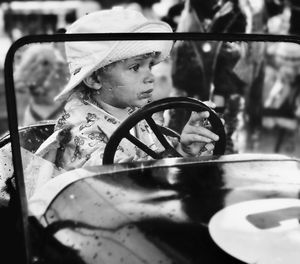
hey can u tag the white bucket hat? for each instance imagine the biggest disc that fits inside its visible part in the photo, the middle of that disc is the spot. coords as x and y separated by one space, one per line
85 57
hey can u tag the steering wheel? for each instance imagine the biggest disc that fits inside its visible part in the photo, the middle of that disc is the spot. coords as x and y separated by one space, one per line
146 112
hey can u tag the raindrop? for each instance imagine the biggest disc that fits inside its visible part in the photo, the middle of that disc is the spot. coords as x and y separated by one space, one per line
51 216
206 47
171 215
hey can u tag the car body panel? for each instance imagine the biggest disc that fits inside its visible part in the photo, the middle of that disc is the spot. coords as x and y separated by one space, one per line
162 210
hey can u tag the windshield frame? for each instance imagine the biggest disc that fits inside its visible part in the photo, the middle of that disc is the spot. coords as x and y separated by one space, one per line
11 94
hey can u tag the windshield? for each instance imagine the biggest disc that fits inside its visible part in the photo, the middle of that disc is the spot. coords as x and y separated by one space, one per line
253 86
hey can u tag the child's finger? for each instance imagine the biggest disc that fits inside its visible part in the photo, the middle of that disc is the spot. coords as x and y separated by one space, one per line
196 117
194 138
191 139
202 131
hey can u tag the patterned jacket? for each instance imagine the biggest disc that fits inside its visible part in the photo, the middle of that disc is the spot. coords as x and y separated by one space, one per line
83 131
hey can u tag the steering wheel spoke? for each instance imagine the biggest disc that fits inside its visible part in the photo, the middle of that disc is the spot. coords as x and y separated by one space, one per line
158 133
142 146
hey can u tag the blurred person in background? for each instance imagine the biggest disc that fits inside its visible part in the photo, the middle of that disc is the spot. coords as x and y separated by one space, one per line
280 22
173 15
281 90
282 97
204 69
229 74
40 75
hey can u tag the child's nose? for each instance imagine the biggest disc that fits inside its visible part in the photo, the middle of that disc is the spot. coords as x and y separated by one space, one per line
149 77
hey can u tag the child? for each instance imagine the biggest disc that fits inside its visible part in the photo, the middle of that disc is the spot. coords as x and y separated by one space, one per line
40 75
109 80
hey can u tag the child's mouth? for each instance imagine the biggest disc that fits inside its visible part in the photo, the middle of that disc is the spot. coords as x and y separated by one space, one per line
146 94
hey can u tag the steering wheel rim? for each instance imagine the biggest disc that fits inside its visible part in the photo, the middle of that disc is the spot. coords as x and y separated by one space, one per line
146 112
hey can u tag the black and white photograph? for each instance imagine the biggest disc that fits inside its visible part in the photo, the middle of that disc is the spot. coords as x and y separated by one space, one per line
159 131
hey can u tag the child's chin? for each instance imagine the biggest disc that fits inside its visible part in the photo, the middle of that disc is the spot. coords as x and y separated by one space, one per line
143 102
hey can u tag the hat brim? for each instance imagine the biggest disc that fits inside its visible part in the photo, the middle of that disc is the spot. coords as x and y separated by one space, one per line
125 49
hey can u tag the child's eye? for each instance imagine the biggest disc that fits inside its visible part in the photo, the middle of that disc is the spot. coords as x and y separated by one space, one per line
135 67
151 64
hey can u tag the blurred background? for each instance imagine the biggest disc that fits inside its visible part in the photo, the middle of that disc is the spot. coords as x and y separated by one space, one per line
261 101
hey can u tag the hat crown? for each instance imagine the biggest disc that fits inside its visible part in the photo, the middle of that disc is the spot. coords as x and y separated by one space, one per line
103 21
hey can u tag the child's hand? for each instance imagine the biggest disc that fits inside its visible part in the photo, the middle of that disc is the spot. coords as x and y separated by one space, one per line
195 138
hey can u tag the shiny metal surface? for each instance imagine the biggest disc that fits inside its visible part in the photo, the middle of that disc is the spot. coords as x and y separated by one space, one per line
169 211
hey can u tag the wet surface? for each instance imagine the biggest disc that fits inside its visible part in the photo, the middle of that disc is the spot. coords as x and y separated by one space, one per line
161 213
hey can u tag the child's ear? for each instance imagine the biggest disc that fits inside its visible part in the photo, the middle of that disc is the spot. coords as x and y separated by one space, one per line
92 82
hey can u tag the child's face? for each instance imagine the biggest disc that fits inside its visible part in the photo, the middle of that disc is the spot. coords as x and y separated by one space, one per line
129 82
